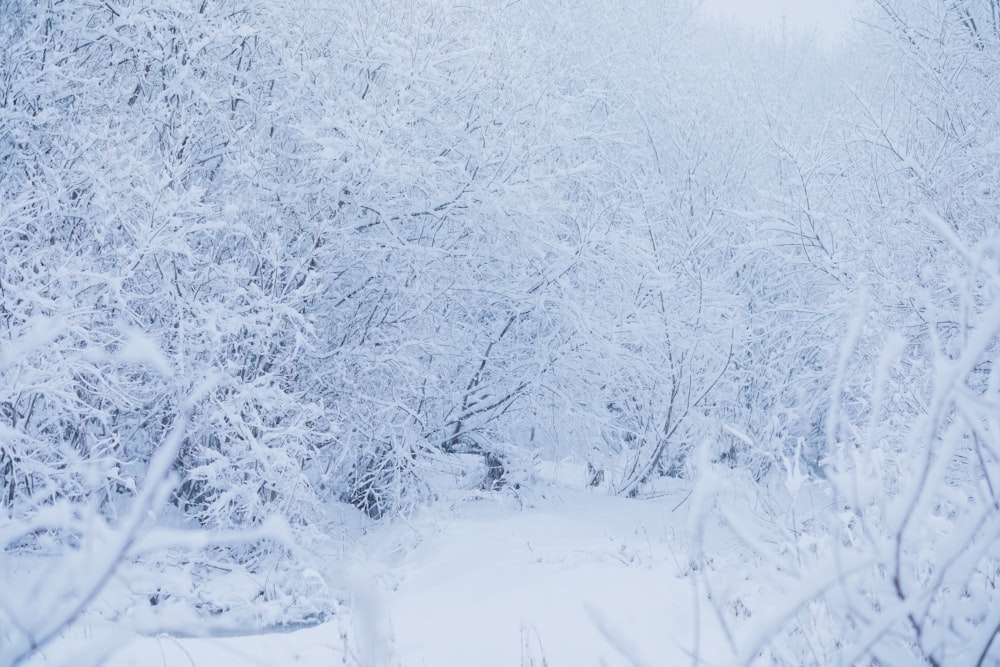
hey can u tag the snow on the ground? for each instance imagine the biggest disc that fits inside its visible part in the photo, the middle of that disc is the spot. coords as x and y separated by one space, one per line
577 578
322 645
590 580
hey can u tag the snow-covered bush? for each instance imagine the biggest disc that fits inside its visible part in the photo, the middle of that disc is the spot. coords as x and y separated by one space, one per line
895 562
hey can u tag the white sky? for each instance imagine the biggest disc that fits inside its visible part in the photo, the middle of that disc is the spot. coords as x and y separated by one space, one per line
830 18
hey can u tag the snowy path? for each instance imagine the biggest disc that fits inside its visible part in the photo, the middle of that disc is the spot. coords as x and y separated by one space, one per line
579 580
511 588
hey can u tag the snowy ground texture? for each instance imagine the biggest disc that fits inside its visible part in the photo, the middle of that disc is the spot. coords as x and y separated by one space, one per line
571 577
552 574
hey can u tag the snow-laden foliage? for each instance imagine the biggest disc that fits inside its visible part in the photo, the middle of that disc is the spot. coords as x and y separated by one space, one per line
891 559
890 556
331 254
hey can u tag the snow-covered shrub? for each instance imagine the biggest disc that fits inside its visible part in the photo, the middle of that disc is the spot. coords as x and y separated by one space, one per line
900 568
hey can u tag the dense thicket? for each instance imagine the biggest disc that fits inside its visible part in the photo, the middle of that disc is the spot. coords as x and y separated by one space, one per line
350 247
379 234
